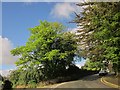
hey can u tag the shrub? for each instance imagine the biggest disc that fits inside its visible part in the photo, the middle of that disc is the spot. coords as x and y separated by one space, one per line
32 84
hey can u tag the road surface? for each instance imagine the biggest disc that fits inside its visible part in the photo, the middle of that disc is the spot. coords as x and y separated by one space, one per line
92 81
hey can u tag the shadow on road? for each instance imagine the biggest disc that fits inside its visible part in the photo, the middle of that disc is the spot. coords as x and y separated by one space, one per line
91 78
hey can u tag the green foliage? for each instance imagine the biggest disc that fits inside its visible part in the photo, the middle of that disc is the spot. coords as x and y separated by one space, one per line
32 84
90 65
14 77
24 77
46 54
101 25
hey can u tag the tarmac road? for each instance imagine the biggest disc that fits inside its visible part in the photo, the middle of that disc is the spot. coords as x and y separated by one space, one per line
92 81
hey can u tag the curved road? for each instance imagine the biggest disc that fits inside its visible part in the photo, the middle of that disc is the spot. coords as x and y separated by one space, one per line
92 81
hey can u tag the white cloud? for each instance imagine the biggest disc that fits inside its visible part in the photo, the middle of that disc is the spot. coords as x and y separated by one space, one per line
5 47
63 10
4 72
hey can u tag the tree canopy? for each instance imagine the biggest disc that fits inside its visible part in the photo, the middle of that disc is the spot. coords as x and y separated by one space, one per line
100 27
47 53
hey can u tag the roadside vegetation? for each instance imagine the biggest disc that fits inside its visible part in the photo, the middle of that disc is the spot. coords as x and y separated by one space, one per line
73 73
47 57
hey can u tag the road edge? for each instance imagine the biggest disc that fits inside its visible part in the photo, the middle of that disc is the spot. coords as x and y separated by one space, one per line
108 83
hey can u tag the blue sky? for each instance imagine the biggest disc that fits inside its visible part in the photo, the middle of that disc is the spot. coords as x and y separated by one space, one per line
18 17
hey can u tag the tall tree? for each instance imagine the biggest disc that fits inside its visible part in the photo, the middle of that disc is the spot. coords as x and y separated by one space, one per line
100 22
49 50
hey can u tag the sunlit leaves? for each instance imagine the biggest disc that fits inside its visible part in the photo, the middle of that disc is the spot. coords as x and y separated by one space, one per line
47 52
54 54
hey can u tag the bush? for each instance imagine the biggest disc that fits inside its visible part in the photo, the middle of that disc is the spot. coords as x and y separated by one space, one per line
31 84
